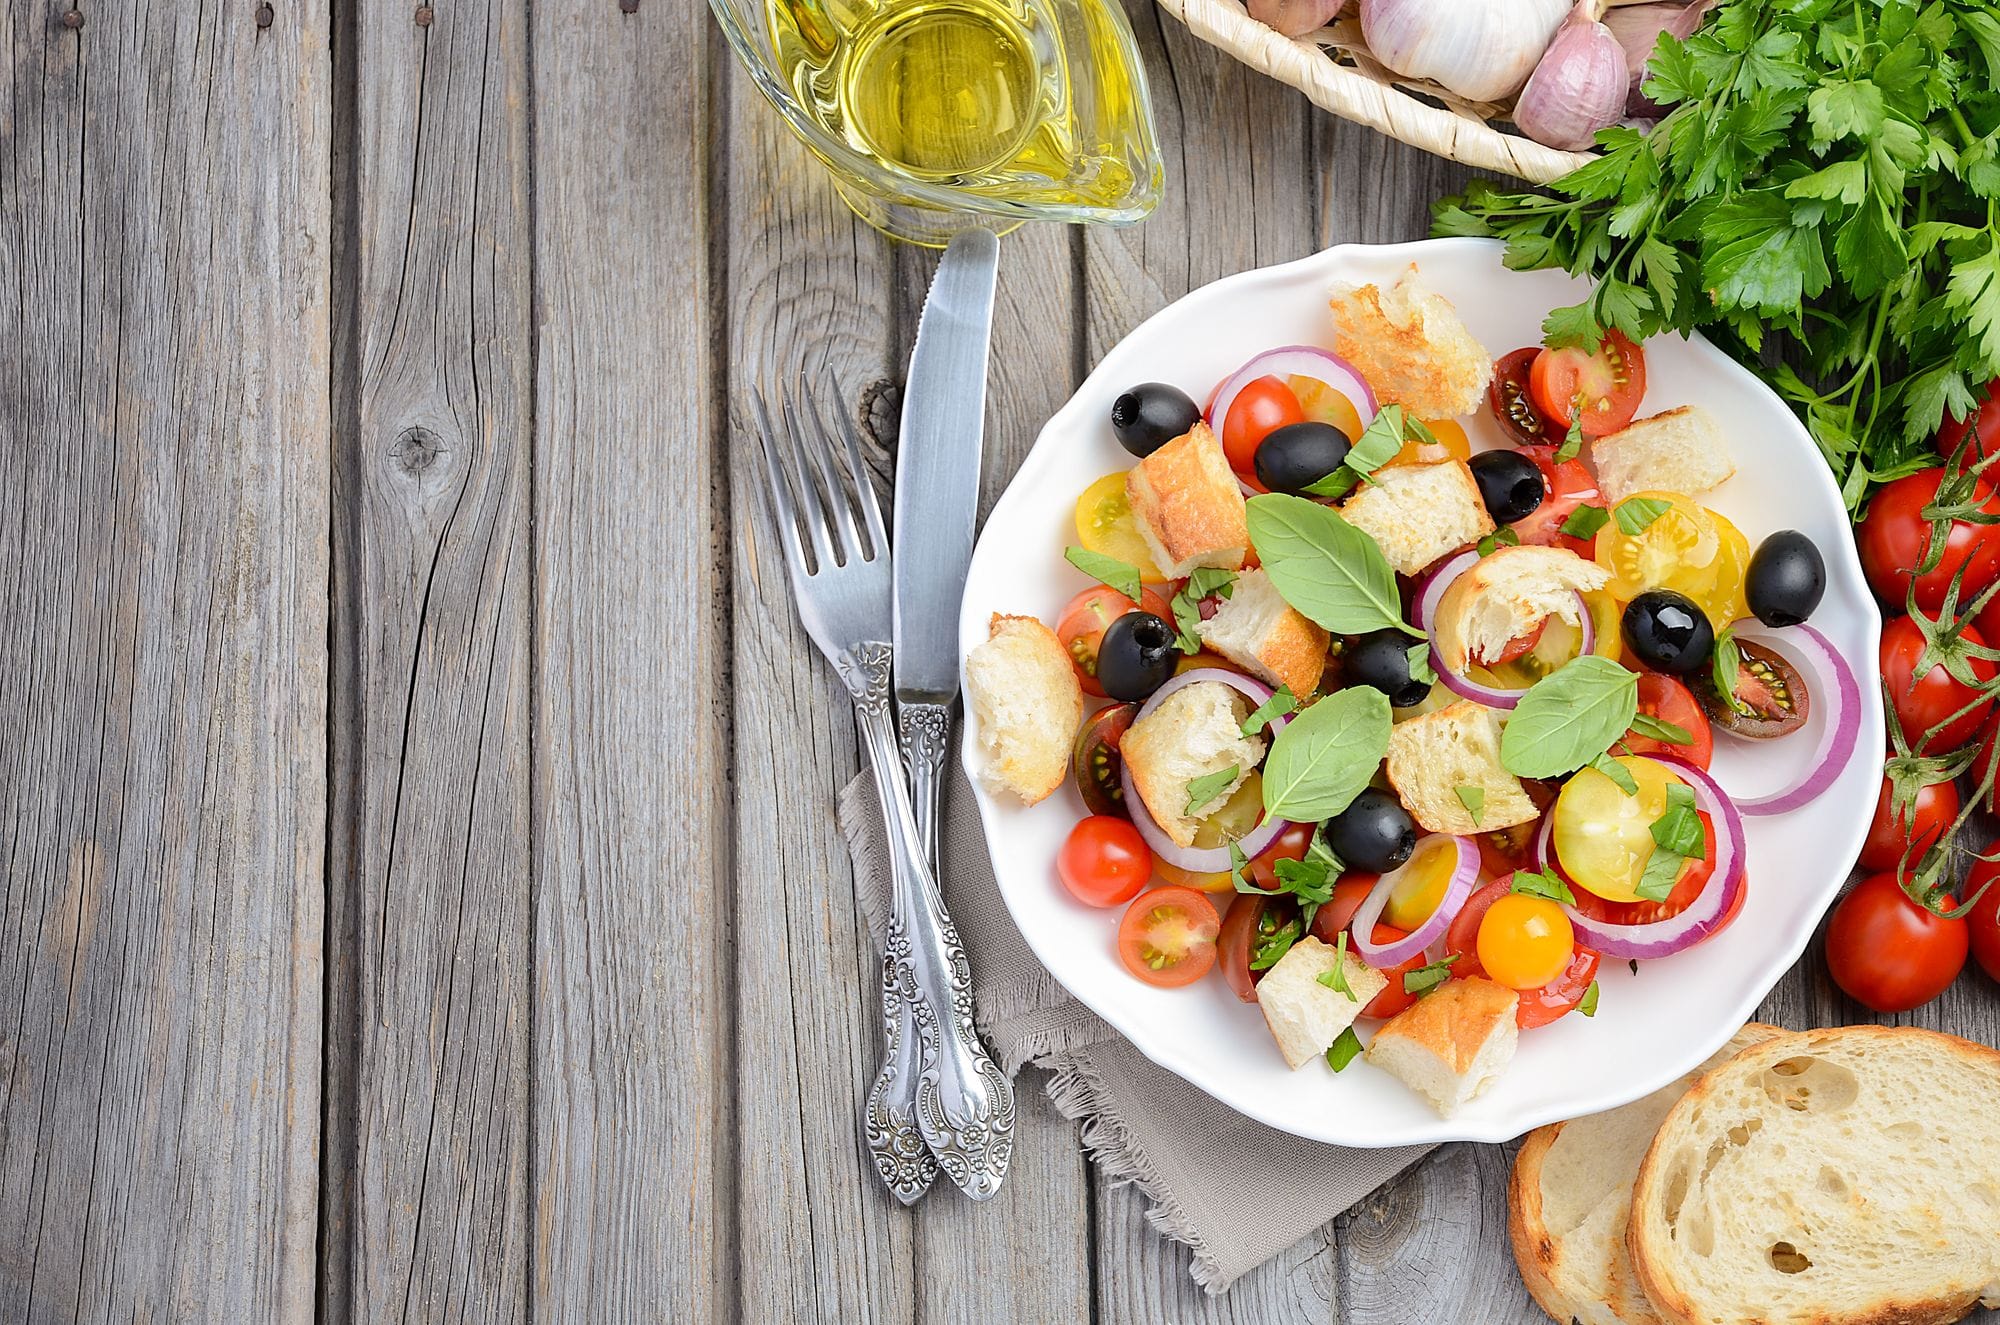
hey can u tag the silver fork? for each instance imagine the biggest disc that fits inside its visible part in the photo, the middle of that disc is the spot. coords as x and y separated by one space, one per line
963 1105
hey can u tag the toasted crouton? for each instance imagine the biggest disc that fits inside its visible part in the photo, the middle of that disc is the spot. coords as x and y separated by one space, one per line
1188 505
1255 629
1195 732
1682 450
1028 705
1411 347
1417 513
1506 595
1305 1016
1452 1043
1432 756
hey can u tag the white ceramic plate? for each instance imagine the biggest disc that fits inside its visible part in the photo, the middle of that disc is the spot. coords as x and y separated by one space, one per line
1649 1027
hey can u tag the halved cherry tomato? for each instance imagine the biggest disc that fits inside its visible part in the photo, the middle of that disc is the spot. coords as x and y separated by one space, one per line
1568 484
1081 625
1167 937
1724 602
1505 850
1105 523
1667 700
1095 762
1693 878
1253 920
1513 403
1890 832
1938 712
1679 550
1320 403
1338 915
1104 861
1604 387
1291 844
1889 953
1451 444
1520 646
1895 533
1603 837
1537 1007
1263 406
1542 1005
1985 424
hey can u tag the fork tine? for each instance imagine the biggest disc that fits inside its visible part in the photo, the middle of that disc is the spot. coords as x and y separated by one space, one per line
828 469
776 492
871 509
813 497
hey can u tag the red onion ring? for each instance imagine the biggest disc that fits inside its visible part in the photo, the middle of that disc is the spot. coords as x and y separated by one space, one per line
1706 912
1295 361
1200 860
1841 731
1431 594
1465 873
1543 856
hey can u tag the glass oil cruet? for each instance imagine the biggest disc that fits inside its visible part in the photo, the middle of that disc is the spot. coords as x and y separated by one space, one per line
938 114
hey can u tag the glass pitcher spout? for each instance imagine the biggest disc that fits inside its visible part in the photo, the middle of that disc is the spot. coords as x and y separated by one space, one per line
936 114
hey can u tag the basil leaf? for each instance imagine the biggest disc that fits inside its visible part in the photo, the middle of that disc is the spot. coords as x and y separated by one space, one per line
1186 605
1336 978
1331 572
1337 484
1727 662
1572 440
1663 869
1270 949
1238 862
1585 521
1617 772
1679 829
1343 1050
1588 1004
1379 441
1120 575
1204 789
1318 850
1659 729
1474 801
1325 756
1568 718
1499 538
1206 580
1541 883
1635 515
1428 977
1281 703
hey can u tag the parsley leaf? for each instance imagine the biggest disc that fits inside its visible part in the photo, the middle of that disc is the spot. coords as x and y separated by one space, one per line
1120 575
1344 1050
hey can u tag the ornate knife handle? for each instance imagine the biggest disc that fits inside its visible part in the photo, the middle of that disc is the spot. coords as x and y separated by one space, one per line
964 1104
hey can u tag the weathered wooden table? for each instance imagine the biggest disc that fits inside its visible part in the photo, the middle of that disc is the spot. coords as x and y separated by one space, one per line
421 899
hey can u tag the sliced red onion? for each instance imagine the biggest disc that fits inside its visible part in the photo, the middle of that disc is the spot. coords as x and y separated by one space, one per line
1431 594
1841 706
1296 361
1464 874
1543 856
1706 912
1200 860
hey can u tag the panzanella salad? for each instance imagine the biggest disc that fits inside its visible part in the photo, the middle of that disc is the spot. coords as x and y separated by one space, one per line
1390 734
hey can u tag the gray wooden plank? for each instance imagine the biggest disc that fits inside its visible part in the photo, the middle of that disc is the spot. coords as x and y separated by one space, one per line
426 1154
164 440
633 1157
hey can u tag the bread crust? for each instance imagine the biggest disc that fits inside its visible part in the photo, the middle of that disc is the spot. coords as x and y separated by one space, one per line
1295 653
1011 761
1188 504
1411 346
1453 1023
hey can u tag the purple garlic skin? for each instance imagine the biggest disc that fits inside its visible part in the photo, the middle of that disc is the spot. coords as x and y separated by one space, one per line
1638 29
1579 86
1294 18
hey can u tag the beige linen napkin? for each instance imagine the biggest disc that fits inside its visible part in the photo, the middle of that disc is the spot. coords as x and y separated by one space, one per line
1235 1191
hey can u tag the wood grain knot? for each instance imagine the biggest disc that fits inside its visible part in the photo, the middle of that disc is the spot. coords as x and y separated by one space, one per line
72 19
629 6
264 16
882 413
418 451
424 16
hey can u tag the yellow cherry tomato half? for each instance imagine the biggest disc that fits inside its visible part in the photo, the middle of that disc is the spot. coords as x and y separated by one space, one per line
1603 836
1232 820
1677 550
1525 942
1452 444
1417 894
1105 524
1724 602
1605 620
1322 404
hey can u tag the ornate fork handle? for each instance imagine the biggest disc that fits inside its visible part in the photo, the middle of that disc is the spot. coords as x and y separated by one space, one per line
964 1104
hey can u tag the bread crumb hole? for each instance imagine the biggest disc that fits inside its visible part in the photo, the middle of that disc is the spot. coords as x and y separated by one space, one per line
1831 1182
1811 1085
1740 1134
1677 1190
1905 1131
1792 1067
1787 1259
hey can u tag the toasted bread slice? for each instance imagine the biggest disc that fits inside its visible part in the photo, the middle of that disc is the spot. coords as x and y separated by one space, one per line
1258 631
1418 513
1411 346
1432 756
1188 505
1507 594
1452 1043
1028 703
1571 1194
1306 1016
1195 732
1838 1177
1680 450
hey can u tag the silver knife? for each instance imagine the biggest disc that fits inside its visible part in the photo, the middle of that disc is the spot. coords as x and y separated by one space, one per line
937 503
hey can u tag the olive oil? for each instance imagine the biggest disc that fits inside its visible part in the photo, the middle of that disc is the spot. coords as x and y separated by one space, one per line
1032 102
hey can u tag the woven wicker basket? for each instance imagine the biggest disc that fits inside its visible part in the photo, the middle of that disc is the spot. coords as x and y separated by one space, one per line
1333 67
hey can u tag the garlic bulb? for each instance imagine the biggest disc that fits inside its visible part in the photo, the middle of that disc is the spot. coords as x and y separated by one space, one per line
1483 51
1579 87
1638 29
1295 18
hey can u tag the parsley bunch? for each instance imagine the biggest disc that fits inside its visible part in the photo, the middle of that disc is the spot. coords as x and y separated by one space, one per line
1822 190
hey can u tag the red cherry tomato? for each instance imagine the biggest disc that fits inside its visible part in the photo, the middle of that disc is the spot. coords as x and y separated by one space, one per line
1252 920
1984 774
1889 833
1513 402
1605 387
1081 625
1889 953
1894 534
1104 861
1982 922
1938 712
1541 1006
1985 422
1263 406
1505 850
1288 845
1664 698
1338 915
1568 485
1167 937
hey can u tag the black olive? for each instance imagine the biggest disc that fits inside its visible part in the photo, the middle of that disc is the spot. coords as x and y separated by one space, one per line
1150 415
1382 660
1786 579
1509 484
1136 656
1375 834
1300 454
1668 632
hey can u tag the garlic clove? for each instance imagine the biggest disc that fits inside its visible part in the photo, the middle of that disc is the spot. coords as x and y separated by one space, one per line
1295 18
1638 29
1578 87
1482 51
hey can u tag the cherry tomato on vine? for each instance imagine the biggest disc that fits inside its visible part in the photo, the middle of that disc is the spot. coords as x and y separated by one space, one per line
1982 922
1938 712
1888 952
1167 937
1894 534
1604 386
1985 423
1263 406
1889 832
1104 861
